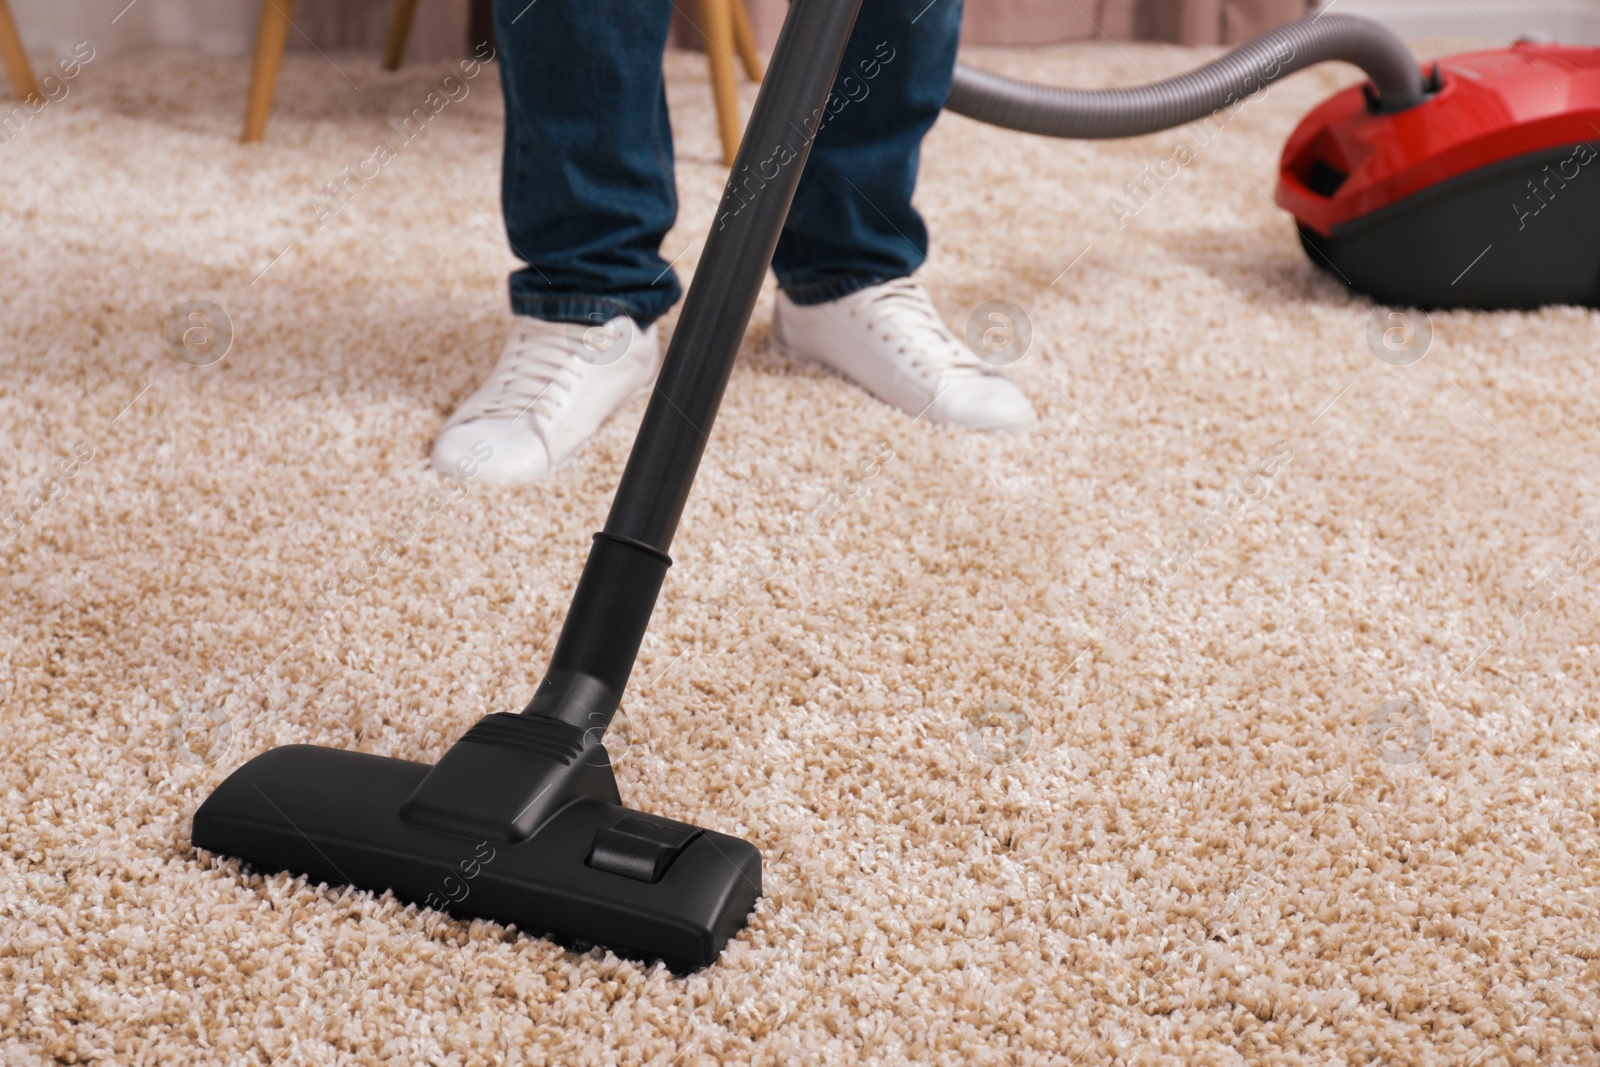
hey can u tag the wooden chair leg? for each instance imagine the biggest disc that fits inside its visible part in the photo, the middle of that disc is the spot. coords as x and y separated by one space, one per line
272 34
399 30
716 22
16 60
745 38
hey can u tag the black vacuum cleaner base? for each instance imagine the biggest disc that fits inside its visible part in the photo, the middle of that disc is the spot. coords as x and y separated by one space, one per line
1485 240
593 873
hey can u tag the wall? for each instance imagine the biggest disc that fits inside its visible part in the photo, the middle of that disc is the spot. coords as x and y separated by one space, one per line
1046 21
1569 21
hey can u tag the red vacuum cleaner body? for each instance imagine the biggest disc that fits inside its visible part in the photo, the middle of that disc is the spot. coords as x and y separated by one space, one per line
1487 195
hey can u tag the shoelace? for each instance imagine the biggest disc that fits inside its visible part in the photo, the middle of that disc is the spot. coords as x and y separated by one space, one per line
536 371
904 306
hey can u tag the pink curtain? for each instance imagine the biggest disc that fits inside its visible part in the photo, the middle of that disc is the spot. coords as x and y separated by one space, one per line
1050 21
441 27
442 24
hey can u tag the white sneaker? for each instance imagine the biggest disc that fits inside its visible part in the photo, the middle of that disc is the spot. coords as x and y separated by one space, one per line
890 340
556 382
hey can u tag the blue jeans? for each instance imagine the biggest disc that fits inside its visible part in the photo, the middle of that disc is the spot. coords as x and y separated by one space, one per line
587 184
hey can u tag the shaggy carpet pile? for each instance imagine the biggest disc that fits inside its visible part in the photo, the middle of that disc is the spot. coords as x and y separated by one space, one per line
1244 711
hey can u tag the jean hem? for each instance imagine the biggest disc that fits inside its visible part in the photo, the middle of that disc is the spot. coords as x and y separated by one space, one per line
837 287
584 310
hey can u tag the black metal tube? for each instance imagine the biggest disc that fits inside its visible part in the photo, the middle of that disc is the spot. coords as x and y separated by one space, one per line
623 574
601 634
677 424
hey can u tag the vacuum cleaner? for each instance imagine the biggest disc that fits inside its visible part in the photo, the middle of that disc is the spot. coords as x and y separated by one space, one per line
521 820
1461 187
1483 198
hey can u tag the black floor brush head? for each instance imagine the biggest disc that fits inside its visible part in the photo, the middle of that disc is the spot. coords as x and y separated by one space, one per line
592 872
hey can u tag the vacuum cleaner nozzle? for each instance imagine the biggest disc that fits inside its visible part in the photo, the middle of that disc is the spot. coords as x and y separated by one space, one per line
520 822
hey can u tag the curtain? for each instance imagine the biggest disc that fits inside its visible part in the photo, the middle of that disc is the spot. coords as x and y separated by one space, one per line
1050 21
228 27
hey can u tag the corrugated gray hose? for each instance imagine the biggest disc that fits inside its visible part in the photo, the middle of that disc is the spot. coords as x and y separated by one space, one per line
1098 113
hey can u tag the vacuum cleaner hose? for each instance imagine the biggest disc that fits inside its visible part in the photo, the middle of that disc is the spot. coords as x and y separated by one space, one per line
1099 113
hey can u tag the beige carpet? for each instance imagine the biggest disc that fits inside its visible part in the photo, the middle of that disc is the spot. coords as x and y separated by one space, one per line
1012 808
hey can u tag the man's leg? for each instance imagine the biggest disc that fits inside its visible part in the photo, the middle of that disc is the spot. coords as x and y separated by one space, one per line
853 239
852 224
588 194
586 182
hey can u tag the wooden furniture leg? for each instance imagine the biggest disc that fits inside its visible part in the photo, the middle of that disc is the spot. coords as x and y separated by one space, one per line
716 23
745 38
399 30
16 59
272 34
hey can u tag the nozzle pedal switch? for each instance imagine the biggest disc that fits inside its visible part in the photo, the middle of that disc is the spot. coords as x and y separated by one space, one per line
640 848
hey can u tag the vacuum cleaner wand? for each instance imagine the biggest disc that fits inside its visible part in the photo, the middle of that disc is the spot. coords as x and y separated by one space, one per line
520 821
